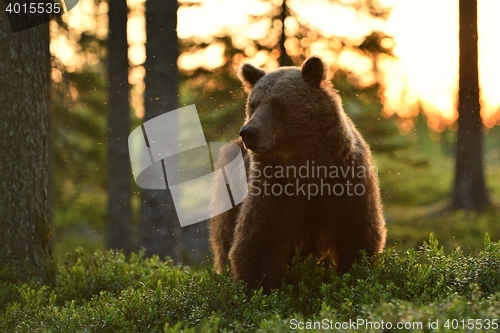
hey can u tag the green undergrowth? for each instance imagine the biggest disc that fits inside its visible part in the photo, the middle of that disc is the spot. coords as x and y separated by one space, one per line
416 185
460 228
108 293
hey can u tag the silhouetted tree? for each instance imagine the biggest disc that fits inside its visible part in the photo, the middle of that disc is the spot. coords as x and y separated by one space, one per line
119 212
469 190
284 59
158 225
25 210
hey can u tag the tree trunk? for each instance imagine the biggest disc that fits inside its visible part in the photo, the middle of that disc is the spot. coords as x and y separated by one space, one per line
284 59
159 227
25 212
119 224
469 191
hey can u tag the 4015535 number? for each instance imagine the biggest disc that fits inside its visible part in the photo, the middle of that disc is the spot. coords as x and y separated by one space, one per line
471 324
34 8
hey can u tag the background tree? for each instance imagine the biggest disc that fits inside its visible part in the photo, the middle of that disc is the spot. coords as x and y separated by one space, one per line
119 212
159 227
469 190
284 59
25 210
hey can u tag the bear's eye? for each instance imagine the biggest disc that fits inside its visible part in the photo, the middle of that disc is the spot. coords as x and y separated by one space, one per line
253 106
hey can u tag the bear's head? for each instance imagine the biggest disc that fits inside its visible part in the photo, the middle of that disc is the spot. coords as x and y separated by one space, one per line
286 107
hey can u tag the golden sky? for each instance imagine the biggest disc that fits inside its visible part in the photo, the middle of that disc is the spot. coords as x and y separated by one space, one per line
425 34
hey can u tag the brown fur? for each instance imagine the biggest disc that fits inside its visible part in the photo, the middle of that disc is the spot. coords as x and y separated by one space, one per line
298 117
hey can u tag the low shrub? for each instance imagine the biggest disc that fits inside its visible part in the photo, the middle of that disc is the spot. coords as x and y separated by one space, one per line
109 293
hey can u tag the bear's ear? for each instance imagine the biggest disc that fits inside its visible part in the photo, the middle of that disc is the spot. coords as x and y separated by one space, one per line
314 70
249 75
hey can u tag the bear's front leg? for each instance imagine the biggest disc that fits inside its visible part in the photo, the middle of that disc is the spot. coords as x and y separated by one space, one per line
361 228
221 236
265 239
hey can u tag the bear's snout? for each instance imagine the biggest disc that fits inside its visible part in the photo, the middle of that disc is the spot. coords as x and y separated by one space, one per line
249 136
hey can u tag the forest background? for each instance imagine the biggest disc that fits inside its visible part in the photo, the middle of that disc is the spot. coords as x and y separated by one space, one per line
418 78
409 117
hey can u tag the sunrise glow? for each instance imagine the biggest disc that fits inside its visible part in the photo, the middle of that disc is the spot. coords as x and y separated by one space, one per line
424 72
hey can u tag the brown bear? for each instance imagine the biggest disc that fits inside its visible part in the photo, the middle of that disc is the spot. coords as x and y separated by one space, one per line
311 182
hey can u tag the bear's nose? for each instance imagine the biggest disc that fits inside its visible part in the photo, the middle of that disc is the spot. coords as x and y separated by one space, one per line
248 133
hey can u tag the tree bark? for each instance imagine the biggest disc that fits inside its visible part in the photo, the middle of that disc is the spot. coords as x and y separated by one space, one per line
159 227
469 191
25 212
119 219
